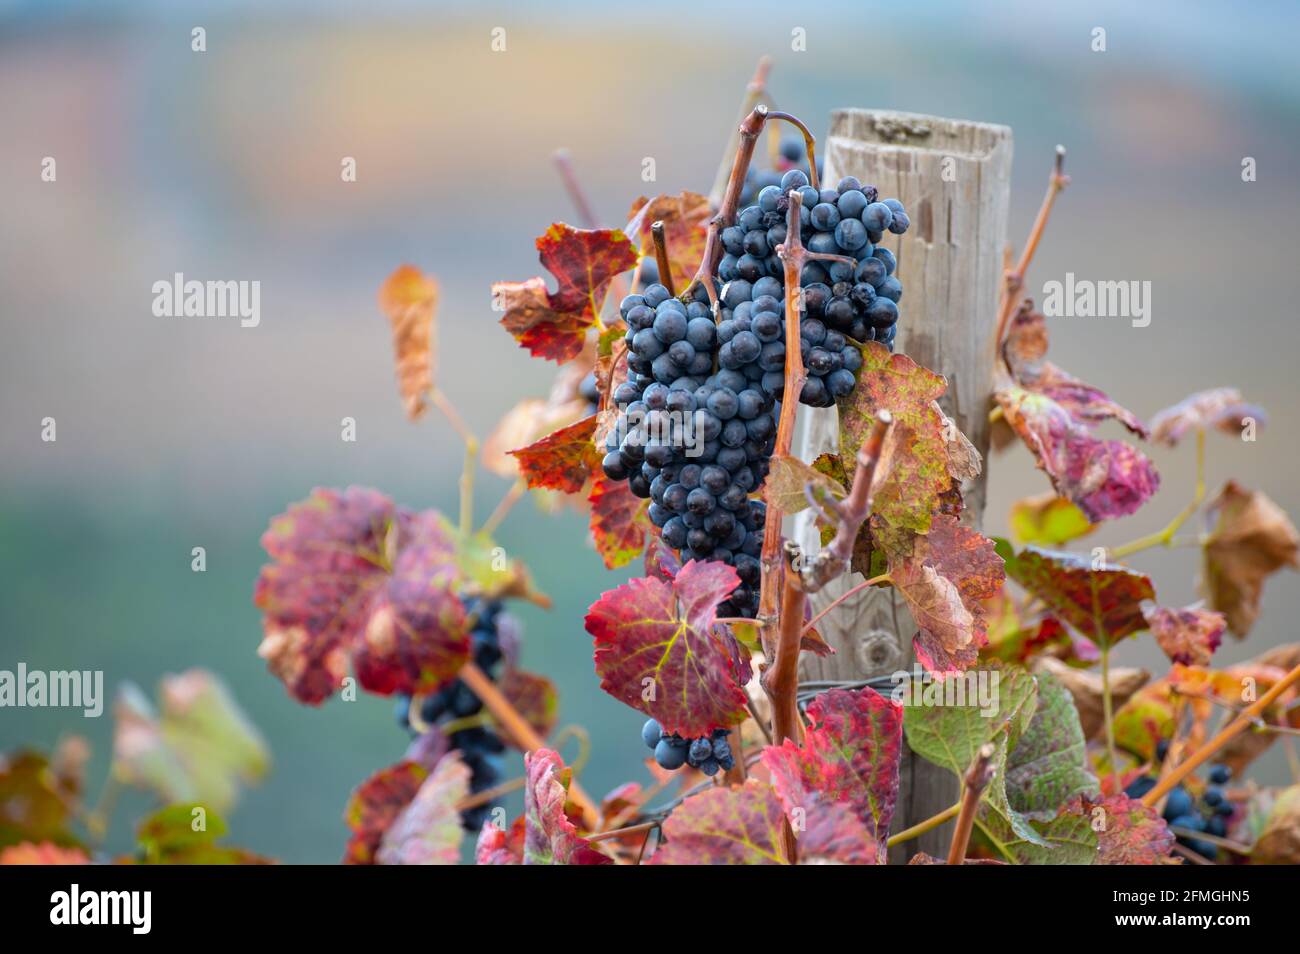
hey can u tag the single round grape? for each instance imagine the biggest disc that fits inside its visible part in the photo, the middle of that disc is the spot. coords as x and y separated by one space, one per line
848 184
873 271
734 433
900 223
824 217
794 179
851 203
822 243
887 257
851 234
674 533
670 325
669 755
890 288
746 347
655 295
733 238
736 292
882 313
814 393
749 218
651 733
840 383
894 205
877 216
646 344
714 479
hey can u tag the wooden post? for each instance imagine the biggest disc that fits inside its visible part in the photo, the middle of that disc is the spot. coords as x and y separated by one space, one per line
954 179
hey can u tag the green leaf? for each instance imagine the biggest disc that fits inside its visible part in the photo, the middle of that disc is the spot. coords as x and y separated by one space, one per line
1049 764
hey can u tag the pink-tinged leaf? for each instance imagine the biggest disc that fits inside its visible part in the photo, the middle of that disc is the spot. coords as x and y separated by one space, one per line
549 837
339 560
657 649
915 462
497 847
1102 602
428 831
534 697
1219 408
375 805
554 324
619 524
850 754
1188 636
1105 478
661 562
562 460
725 826
946 577
1026 353
416 639
833 834
1250 540
1128 833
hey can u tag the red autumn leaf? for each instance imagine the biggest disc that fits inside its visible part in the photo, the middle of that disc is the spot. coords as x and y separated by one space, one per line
658 650
428 830
534 697
1251 539
1054 413
355 578
415 639
1104 478
725 826
1128 833
661 561
686 225
1104 602
409 298
549 837
528 421
554 324
915 461
619 521
833 834
497 847
849 754
563 459
375 805
1026 353
1188 636
1219 408
946 577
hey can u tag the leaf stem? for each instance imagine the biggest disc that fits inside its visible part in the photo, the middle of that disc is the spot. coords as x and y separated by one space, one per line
458 424
755 94
661 256
564 163
1165 537
920 828
851 591
516 493
523 732
1224 736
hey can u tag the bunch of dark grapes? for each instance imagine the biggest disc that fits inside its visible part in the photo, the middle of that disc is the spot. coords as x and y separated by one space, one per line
842 300
708 753
479 746
1210 814
694 441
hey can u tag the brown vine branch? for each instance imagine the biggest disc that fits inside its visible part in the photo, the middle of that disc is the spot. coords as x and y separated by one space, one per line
1014 278
794 256
977 779
781 679
853 511
750 128
520 728
1225 735
661 257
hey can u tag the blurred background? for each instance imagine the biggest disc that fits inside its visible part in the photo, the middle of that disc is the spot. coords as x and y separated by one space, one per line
225 164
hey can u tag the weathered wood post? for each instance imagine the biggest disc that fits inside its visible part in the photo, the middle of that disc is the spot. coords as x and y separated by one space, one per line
954 178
